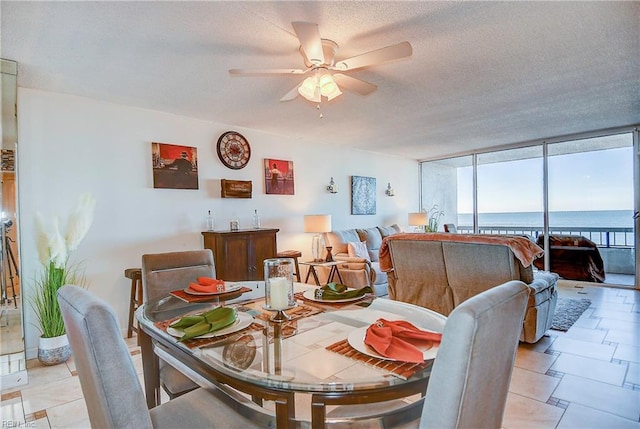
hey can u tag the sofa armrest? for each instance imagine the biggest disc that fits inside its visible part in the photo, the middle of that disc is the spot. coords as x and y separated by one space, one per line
356 264
543 280
352 259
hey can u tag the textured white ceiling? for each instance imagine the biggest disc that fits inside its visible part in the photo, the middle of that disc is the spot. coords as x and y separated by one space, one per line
482 73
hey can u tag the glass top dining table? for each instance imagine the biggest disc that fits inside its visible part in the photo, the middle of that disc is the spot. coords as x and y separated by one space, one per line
318 352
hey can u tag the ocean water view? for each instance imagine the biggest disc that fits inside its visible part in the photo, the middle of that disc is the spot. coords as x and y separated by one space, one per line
590 219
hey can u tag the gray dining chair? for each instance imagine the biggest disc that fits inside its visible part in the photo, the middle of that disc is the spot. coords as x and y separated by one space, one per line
110 384
471 374
166 272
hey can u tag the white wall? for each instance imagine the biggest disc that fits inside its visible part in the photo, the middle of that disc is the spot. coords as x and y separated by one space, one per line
70 145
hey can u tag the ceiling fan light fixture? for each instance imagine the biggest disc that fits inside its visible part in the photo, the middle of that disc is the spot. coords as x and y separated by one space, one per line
327 84
308 88
336 92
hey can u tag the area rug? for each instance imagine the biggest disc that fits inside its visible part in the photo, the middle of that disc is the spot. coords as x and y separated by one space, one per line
567 312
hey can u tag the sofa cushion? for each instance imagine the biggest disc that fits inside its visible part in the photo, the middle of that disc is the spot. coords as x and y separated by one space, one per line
358 249
386 231
373 239
339 239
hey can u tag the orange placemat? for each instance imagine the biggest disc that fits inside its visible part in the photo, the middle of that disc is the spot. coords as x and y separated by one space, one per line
181 294
403 370
295 313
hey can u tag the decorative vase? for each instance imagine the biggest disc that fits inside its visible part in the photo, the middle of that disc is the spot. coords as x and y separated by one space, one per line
55 350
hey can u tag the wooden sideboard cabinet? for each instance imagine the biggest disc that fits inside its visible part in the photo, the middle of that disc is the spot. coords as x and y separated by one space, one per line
239 255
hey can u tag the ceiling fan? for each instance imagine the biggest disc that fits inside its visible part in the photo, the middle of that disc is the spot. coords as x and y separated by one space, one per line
328 76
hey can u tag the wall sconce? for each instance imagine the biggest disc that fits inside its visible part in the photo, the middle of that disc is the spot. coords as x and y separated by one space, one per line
390 192
332 187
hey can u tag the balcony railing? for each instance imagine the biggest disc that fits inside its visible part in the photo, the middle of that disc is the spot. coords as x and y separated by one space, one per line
602 237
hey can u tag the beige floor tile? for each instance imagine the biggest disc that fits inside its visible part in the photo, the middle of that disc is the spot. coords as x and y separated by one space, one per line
50 395
70 415
618 315
592 369
580 417
633 374
71 365
628 353
543 343
532 384
534 361
584 334
630 337
137 361
42 423
11 411
587 321
40 374
615 307
132 342
600 396
583 348
526 413
617 324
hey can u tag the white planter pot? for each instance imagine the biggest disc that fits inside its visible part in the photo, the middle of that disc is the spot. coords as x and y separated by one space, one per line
52 351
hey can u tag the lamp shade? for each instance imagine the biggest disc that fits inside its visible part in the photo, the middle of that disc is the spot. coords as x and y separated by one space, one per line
418 219
317 223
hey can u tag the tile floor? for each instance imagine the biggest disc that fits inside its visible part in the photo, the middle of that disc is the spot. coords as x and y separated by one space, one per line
587 377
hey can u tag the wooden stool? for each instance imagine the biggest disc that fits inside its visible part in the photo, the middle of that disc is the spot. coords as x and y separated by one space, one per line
294 254
135 274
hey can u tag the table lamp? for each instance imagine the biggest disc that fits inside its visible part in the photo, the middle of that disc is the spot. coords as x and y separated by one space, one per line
419 220
317 224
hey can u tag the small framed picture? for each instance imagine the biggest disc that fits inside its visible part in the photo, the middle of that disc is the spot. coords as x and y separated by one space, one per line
174 166
278 177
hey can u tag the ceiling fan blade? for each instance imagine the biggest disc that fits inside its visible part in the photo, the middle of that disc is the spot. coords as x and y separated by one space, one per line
291 94
353 84
393 52
309 37
237 72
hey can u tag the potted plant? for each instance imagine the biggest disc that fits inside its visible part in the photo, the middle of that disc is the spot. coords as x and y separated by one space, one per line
434 214
54 250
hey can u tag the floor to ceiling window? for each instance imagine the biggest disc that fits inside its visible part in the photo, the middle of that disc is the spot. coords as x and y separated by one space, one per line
590 194
510 191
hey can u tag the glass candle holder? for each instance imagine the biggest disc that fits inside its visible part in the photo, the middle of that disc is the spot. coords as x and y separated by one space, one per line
278 282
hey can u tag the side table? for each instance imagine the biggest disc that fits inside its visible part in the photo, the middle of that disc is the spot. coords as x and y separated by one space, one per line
333 270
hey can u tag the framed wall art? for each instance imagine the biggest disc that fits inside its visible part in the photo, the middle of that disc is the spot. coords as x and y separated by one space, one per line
278 177
174 166
363 195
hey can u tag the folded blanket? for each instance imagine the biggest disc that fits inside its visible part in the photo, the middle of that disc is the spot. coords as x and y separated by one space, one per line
524 249
398 340
333 291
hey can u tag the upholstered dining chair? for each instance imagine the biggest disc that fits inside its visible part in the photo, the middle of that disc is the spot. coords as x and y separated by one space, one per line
161 274
111 388
471 374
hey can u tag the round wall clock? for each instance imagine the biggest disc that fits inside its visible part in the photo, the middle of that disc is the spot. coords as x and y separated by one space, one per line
233 150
